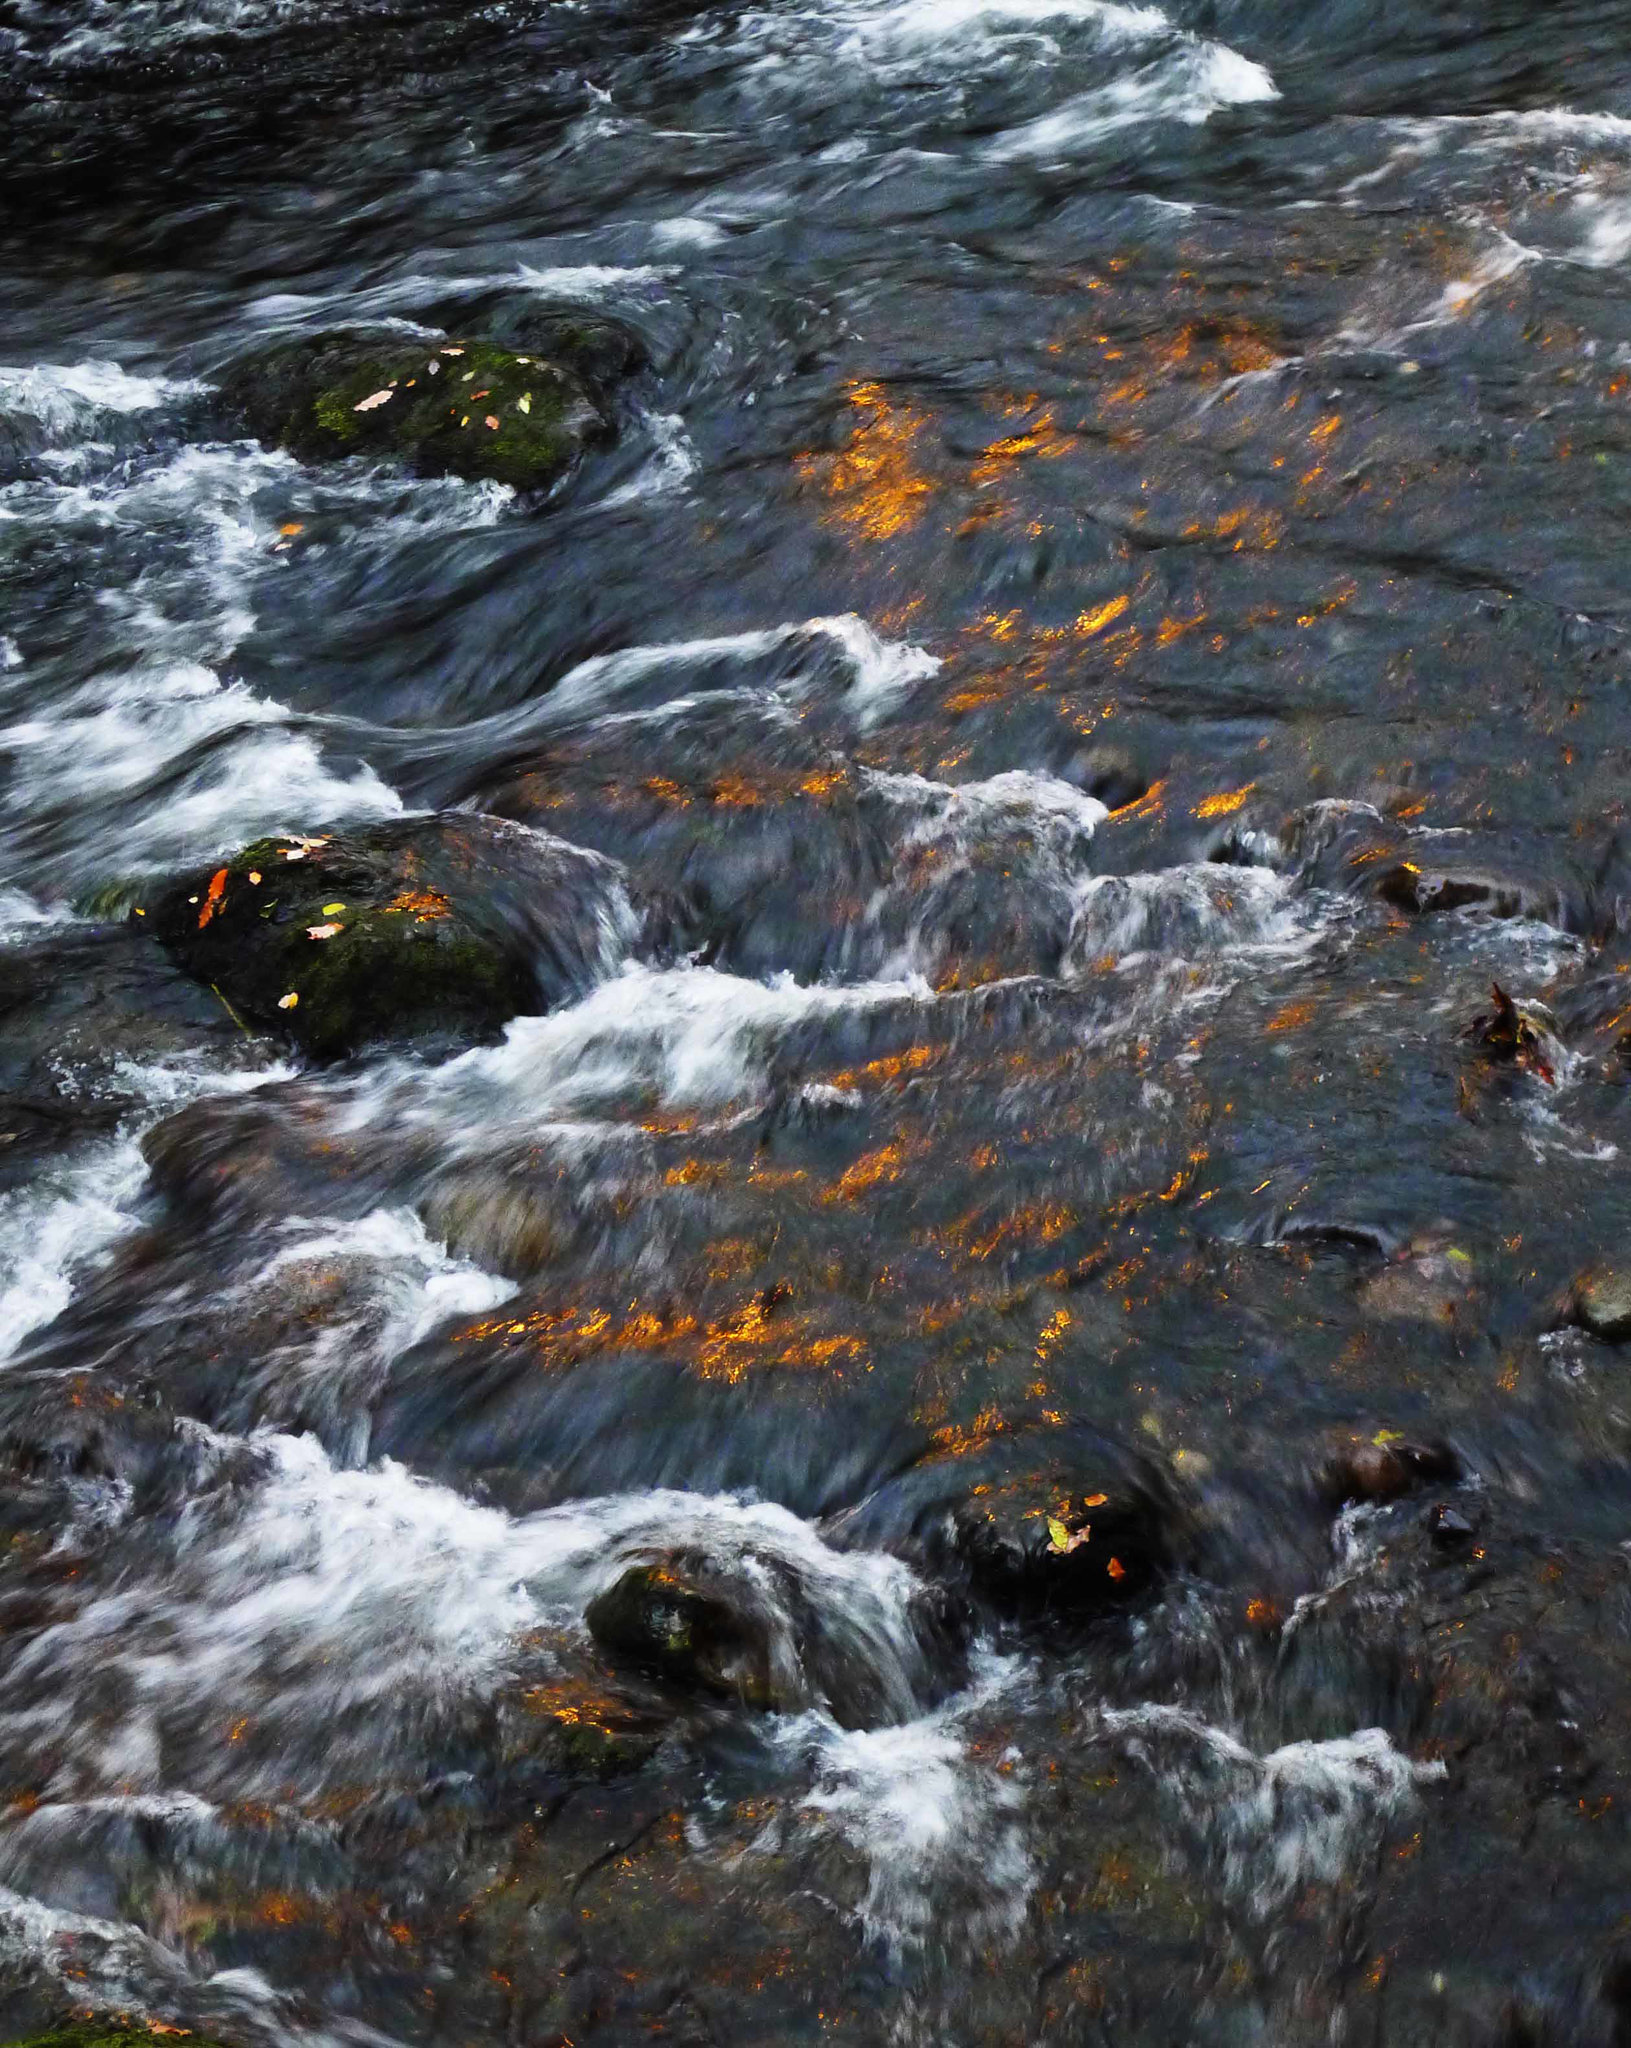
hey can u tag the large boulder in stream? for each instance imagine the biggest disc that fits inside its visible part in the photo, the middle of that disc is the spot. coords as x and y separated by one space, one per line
466 407
439 927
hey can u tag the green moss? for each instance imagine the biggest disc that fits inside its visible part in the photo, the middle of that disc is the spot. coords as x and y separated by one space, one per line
483 412
98 2034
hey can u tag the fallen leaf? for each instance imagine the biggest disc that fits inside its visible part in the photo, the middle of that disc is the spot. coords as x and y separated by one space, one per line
492 421
212 902
449 350
524 402
465 379
523 359
332 909
1096 1500
374 398
288 1002
294 526
1116 1568
465 421
292 852
1388 1436
485 391
323 931
1058 1534
141 913
254 876
433 369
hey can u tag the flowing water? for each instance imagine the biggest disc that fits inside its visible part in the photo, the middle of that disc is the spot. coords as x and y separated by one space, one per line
1110 593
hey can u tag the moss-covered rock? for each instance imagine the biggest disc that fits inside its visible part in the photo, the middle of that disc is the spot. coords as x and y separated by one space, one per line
455 408
443 927
99 2034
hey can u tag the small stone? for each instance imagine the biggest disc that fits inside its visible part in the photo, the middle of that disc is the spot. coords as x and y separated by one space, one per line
1448 1526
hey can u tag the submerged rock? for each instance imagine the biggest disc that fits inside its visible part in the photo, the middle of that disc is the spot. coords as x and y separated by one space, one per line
445 927
1383 1469
458 408
1428 1281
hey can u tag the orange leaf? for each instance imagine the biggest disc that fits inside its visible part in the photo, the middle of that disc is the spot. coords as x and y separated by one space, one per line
212 902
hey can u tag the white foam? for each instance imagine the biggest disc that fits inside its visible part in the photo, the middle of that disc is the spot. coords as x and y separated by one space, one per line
670 466
686 1036
881 671
1196 82
69 396
66 1223
331 1608
687 231
1308 1813
229 763
927 1816
1194 910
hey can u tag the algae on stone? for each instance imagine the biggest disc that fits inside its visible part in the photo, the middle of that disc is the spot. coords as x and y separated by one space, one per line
455 408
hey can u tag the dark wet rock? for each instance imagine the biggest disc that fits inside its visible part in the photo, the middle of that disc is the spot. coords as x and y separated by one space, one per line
22 440
757 1637
440 927
1384 1468
1345 845
1599 1300
665 1619
1045 1526
81 1001
460 408
1518 1034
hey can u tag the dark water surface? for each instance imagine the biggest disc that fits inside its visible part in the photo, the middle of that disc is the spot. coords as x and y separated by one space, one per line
1109 599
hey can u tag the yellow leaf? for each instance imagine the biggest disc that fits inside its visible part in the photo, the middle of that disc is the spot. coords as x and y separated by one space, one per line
254 876
1058 1534
524 402
329 909
288 1002
1388 1436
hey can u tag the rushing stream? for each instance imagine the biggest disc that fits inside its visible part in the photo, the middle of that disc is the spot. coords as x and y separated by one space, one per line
1097 630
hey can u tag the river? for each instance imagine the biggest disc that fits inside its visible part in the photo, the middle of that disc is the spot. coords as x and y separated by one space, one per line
1102 623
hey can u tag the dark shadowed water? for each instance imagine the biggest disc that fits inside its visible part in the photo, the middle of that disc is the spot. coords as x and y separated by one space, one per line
1109 603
